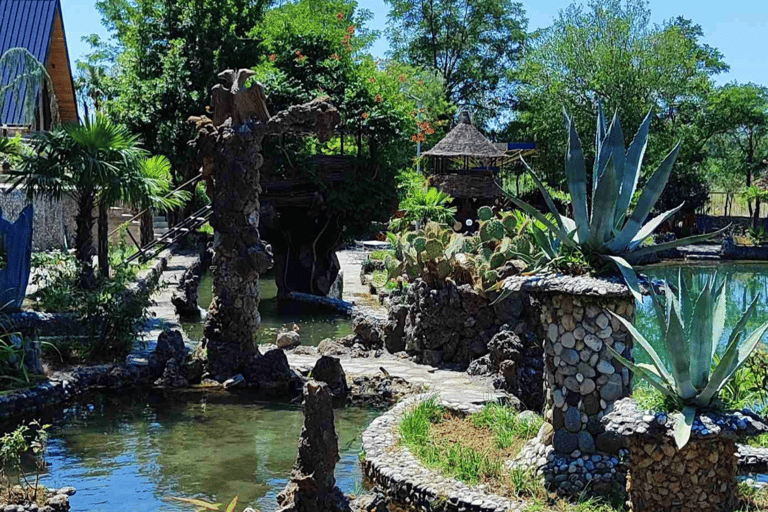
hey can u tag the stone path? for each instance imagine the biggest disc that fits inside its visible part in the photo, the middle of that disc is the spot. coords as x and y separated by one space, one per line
453 386
351 261
162 312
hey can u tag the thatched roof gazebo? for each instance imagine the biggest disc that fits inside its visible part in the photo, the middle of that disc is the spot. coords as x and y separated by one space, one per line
464 162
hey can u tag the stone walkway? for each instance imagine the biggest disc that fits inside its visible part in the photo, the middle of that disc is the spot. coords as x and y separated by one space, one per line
162 312
351 261
453 386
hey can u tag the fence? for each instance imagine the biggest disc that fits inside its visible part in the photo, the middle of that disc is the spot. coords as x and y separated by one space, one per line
725 204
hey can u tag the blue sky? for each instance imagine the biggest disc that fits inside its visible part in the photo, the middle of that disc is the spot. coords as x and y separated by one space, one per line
738 28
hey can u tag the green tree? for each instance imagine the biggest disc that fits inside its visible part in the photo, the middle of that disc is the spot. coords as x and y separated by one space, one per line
26 76
166 60
99 163
609 51
743 108
473 45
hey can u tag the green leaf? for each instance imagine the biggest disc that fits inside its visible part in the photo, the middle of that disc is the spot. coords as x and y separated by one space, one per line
636 255
648 198
232 505
650 377
536 214
198 503
577 180
679 355
603 206
683 425
661 369
632 165
718 318
629 276
734 357
648 229
546 195
700 337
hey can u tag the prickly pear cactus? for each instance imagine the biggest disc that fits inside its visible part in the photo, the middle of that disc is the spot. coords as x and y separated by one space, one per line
433 250
510 223
484 213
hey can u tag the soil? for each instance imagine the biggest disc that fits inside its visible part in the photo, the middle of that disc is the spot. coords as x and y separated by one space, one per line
454 429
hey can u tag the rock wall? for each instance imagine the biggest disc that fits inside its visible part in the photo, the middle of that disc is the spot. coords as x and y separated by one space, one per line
455 324
53 225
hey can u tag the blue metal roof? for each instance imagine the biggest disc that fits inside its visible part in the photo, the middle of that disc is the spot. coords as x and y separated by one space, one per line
511 146
26 24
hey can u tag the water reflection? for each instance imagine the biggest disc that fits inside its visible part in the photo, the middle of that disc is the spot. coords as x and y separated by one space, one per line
316 323
130 454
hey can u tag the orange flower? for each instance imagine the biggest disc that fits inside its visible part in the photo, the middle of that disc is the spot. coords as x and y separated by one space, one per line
272 58
346 39
339 16
420 138
349 47
429 131
371 79
413 138
351 29
421 82
298 52
335 57
378 98
365 115
401 78
302 58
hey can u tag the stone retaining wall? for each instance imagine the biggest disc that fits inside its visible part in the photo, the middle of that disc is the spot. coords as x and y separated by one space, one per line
406 481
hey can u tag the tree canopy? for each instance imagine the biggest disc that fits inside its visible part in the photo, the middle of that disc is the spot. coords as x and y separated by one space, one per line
474 45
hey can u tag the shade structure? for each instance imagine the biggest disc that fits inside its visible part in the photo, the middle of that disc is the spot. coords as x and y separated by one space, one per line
465 141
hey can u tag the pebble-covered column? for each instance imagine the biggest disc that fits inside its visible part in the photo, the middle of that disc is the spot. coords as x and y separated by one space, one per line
583 380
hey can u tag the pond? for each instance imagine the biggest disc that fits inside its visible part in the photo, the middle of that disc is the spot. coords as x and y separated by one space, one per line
316 323
125 454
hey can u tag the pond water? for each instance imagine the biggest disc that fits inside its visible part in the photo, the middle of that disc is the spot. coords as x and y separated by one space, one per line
744 282
128 454
316 323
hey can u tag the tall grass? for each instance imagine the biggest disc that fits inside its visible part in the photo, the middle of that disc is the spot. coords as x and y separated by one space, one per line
508 425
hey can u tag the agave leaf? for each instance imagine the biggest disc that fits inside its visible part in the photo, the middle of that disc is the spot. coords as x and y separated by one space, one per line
635 255
661 369
734 357
547 196
629 276
648 198
570 228
632 164
536 214
678 355
700 337
505 292
603 208
600 134
658 308
718 318
683 425
232 505
612 149
648 229
650 377
577 180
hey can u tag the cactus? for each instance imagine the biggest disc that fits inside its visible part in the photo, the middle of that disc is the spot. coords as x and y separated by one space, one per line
420 244
498 259
484 213
510 223
433 250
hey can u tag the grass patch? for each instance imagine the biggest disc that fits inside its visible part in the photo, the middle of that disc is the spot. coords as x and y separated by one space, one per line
380 255
379 279
752 499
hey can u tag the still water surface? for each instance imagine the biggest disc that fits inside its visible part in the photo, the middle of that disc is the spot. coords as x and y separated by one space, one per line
316 323
130 454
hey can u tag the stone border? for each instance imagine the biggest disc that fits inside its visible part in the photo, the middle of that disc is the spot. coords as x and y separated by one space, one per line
405 480
65 385
572 285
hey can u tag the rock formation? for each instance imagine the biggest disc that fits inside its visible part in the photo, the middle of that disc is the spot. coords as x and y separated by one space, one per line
229 147
312 487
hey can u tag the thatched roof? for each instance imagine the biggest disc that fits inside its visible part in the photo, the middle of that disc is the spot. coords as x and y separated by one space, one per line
465 140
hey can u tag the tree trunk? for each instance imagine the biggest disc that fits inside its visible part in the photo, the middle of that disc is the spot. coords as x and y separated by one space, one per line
103 240
756 214
84 249
147 227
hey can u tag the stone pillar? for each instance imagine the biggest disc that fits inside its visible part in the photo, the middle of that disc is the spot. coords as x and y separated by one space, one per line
582 381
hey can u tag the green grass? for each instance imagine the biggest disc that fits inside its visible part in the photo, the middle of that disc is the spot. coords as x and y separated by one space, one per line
379 279
507 424
380 255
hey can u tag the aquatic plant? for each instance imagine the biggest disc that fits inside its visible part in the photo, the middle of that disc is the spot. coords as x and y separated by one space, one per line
693 325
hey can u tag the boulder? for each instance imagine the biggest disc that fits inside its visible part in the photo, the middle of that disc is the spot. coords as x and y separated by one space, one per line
173 376
272 374
288 339
170 345
328 370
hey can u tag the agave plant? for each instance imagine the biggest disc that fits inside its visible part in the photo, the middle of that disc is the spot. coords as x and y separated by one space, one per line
606 229
692 327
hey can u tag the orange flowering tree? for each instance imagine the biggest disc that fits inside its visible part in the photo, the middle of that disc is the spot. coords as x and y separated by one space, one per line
310 49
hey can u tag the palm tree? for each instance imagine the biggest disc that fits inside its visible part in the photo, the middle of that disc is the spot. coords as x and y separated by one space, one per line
157 171
29 78
99 163
91 84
